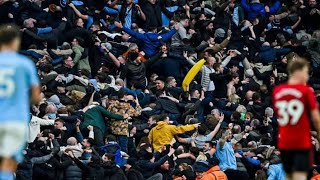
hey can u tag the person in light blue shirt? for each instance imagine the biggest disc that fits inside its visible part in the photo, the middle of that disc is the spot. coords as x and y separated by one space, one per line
18 79
225 152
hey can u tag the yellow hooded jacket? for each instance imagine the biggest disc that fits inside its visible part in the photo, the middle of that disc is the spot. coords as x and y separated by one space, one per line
163 133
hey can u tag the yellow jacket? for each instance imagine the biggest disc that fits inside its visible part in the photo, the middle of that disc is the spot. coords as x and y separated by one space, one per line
163 134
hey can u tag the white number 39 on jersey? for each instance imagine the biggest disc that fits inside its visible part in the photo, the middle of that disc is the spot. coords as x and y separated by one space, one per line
289 111
7 85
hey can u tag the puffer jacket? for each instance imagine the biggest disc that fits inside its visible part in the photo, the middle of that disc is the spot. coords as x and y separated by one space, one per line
134 73
113 172
81 59
73 172
268 54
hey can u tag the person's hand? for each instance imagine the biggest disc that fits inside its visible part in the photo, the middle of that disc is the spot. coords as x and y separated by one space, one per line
238 155
197 125
247 129
71 5
58 78
245 81
90 128
138 7
185 54
233 53
40 134
171 152
202 4
51 136
78 123
221 117
229 33
23 29
245 135
186 7
70 154
191 31
118 24
173 141
146 131
228 104
126 116
46 9
64 19
176 26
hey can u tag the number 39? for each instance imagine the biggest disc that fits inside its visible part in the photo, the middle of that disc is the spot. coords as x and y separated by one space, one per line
287 109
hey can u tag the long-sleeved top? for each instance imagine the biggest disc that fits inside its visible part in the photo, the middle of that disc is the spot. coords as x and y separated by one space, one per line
163 133
148 167
95 117
34 127
257 9
151 41
276 172
81 60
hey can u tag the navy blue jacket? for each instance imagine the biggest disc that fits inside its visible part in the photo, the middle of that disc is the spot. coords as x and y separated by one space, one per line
256 9
150 40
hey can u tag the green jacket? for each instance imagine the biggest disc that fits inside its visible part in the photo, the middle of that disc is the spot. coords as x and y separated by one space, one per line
96 118
80 63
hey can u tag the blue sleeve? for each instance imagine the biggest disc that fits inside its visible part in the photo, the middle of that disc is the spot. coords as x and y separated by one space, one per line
130 92
31 73
167 36
79 137
271 173
245 5
89 21
110 11
275 7
253 161
31 53
282 51
134 34
57 61
44 30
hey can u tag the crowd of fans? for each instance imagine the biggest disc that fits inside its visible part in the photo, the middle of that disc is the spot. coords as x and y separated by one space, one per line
111 74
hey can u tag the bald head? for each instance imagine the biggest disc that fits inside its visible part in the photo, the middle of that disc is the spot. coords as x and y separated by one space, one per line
72 141
51 108
249 95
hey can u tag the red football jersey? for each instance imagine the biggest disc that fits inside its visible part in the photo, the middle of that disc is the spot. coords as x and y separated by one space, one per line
292 105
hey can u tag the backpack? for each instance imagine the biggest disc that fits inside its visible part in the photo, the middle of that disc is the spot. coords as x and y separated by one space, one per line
115 150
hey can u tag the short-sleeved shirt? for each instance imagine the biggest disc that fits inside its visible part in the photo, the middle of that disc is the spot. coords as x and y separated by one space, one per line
293 104
17 75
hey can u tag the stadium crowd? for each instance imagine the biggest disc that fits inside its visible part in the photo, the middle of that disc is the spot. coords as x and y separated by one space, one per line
113 105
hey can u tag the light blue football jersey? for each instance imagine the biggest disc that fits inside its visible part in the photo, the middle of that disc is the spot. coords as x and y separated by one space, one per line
17 75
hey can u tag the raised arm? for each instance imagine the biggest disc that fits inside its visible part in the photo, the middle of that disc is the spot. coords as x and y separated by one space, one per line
213 133
78 13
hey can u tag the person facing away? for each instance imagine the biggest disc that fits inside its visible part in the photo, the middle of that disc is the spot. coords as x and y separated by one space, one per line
18 77
294 104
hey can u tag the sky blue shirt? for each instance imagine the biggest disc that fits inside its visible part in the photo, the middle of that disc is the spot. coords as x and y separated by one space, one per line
226 157
17 75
